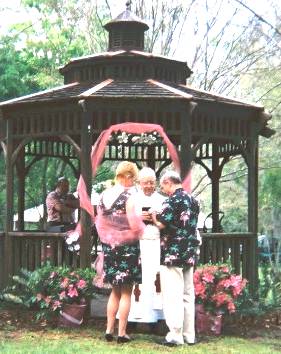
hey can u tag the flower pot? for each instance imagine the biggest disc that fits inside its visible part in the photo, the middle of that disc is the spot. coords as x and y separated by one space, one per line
72 315
207 323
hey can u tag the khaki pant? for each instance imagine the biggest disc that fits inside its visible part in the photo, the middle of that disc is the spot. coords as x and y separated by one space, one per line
178 303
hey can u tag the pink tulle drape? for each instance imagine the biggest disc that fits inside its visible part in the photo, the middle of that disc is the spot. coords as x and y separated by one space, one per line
133 224
118 229
99 148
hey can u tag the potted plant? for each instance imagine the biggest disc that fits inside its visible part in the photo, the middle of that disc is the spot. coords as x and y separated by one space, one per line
217 290
53 291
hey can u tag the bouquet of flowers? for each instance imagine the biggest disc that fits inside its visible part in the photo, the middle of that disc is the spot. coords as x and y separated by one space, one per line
217 288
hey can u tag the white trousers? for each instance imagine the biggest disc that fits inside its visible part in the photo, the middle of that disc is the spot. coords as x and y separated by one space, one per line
178 303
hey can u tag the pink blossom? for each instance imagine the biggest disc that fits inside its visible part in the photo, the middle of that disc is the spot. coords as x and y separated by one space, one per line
53 275
224 269
62 295
81 284
208 277
238 288
196 276
72 291
220 299
200 290
235 280
231 307
224 284
64 283
56 305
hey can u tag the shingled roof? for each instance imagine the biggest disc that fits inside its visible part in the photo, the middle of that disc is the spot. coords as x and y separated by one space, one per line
122 88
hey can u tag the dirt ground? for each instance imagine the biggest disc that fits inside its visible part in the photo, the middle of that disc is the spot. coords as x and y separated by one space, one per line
269 325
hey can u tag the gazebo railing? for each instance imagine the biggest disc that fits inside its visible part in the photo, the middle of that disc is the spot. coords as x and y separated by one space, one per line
236 248
31 250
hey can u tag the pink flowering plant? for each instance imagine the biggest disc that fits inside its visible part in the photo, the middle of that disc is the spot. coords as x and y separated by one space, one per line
217 288
61 285
48 288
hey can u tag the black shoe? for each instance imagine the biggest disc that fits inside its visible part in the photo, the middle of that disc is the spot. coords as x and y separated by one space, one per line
108 337
123 339
168 344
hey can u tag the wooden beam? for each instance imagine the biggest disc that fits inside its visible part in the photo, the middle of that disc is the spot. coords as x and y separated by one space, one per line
86 172
19 148
186 154
20 164
216 173
253 212
4 148
9 204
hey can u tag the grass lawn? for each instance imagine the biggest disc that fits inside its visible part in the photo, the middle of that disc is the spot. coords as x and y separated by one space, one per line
20 334
90 340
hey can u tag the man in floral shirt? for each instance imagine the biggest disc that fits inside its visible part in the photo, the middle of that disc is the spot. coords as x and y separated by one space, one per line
178 224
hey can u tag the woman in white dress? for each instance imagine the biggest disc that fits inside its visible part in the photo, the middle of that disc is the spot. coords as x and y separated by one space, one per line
146 302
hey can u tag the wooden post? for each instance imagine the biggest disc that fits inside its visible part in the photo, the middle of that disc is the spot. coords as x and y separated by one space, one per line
186 155
21 188
253 212
86 172
151 156
9 205
216 173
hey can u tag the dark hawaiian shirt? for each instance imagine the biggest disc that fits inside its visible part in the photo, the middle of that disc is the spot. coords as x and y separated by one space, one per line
178 239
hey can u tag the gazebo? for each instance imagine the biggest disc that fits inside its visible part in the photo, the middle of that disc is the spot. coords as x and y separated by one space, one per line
128 84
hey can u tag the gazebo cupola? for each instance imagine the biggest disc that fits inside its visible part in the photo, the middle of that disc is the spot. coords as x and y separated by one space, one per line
126 31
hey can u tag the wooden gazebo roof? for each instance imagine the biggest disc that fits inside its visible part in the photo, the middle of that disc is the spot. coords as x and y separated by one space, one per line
111 88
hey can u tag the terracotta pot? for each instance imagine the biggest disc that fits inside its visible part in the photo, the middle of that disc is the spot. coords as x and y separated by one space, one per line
72 315
207 323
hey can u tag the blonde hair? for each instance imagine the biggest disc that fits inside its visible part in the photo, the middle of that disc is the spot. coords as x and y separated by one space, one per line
127 167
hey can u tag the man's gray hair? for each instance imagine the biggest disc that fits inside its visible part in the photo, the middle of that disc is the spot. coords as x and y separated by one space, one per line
146 172
172 176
